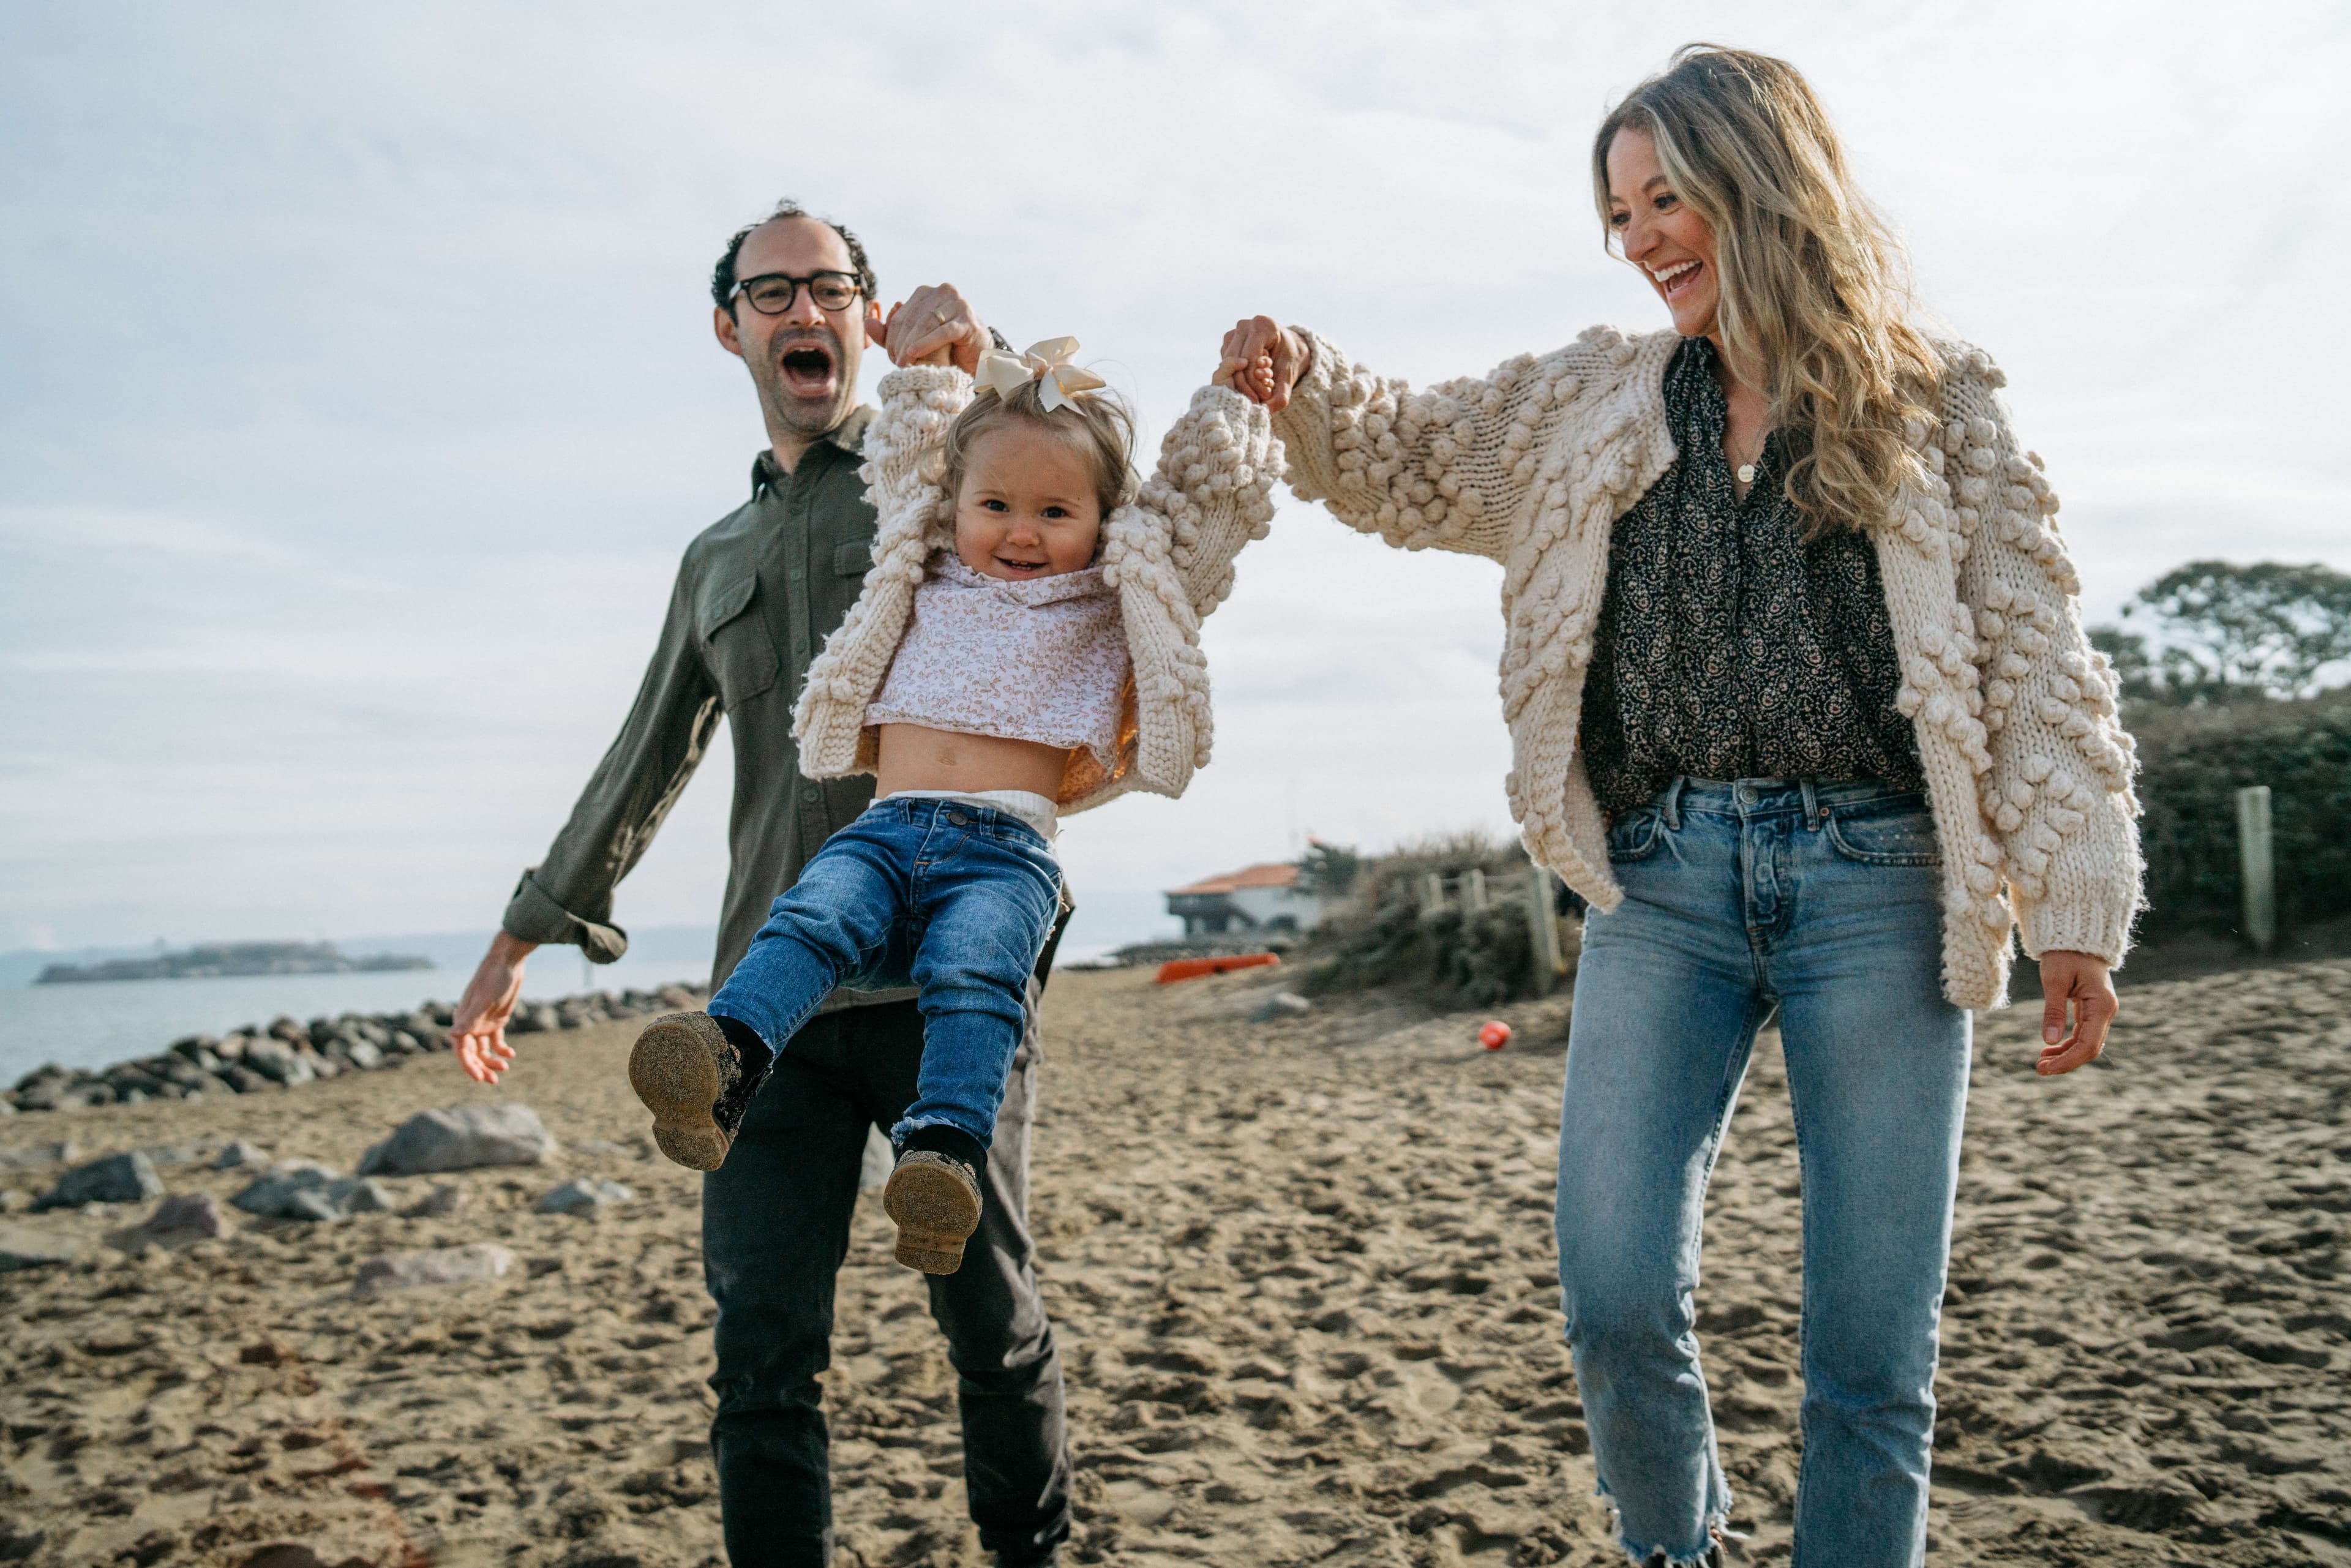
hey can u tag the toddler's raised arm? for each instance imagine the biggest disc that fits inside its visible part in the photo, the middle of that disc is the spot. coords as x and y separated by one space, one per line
918 403
1211 494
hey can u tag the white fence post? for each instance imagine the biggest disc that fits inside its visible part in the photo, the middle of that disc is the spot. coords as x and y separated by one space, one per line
1432 892
2259 865
1542 928
1473 891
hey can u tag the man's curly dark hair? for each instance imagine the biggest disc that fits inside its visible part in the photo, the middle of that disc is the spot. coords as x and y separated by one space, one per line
722 276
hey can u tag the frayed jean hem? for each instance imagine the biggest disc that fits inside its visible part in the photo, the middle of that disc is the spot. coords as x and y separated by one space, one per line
1718 1530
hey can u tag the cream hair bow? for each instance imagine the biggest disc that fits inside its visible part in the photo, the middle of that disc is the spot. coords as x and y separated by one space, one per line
1048 363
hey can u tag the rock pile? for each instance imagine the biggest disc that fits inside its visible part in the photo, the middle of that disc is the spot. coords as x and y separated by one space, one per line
286 1053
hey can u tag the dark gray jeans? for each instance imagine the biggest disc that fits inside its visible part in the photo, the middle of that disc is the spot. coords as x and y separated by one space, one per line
775 1229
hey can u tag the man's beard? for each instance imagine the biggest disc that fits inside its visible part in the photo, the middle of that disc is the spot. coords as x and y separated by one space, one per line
805 356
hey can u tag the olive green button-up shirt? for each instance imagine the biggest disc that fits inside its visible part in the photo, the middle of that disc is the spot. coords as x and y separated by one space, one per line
757 596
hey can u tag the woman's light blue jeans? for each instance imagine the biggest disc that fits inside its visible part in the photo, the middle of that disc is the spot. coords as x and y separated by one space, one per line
956 898
1822 902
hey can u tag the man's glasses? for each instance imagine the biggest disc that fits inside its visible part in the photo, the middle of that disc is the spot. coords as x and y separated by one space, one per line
772 293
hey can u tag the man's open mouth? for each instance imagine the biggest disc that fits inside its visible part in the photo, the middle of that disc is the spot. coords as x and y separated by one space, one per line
809 369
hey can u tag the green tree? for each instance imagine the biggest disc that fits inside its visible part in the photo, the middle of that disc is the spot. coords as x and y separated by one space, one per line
2218 633
1327 868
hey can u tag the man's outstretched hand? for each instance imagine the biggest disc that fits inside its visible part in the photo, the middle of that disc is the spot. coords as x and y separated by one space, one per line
935 325
478 1032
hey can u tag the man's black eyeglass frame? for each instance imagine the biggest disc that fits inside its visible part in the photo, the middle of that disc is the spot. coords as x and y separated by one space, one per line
809 282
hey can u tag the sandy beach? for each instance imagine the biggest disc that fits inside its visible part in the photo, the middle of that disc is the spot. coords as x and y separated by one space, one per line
1302 1271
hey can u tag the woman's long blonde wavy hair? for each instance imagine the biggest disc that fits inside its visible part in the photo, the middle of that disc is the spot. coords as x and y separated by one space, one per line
1814 286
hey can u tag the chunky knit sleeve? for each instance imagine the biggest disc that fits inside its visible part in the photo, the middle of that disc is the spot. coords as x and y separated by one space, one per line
1450 467
918 403
1212 492
2058 793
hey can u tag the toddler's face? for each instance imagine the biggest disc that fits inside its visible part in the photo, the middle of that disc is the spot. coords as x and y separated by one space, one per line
1027 506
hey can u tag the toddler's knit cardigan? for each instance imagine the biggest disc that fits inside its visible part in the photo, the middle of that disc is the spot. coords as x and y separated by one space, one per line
2029 773
1169 555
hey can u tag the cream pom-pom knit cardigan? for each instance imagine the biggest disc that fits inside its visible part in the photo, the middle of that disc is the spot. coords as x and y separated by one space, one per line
1169 555
2029 774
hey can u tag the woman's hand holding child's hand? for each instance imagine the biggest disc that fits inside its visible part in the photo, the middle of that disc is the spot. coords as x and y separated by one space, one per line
1263 360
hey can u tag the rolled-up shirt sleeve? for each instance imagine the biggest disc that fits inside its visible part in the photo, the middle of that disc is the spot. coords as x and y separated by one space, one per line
567 898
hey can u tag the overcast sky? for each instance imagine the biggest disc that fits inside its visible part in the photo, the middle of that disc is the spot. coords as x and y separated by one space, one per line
357 390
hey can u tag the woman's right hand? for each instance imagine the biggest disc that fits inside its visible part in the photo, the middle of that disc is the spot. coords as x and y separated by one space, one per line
1253 346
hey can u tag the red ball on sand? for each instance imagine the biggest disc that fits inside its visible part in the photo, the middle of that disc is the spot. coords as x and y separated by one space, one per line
1495 1035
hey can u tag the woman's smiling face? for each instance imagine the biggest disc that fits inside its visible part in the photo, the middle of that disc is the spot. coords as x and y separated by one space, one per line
1672 246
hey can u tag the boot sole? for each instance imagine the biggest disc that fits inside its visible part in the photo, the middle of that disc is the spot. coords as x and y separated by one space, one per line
674 1069
935 1214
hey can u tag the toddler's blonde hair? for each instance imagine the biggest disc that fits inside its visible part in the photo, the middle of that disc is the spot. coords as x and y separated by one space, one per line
1095 422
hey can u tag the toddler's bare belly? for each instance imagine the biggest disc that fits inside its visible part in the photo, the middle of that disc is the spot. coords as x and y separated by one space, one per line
914 756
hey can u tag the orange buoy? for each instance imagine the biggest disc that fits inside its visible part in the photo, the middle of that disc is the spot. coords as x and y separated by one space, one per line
1193 968
1495 1035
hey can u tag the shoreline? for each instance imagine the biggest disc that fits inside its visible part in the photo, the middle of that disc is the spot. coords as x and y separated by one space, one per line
287 1053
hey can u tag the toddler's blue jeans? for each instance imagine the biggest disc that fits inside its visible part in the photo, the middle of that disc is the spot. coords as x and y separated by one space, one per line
1822 902
954 898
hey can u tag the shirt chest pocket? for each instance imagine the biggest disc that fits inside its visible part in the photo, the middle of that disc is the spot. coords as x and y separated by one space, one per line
735 642
851 559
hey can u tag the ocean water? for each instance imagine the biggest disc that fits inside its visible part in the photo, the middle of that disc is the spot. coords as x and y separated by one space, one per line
98 1023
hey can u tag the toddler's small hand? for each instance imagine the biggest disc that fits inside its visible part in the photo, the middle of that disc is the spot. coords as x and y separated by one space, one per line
1261 375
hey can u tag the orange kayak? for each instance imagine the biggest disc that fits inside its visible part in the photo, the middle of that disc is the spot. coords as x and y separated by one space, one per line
1193 968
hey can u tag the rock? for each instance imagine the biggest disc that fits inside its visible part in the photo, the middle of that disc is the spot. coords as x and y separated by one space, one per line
278 1062
15 1200
244 1080
1280 1005
305 1190
7 1106
584 1195
238 1153
63 1152
464 1137
441 1266
127 1080
537 1018
272 1194
361 1195
22 1249
117 1178
286 1029
441 1201
48 1071
364 1054
404 1043
189 1214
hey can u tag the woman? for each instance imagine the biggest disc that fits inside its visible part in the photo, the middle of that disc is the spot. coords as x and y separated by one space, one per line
1799 700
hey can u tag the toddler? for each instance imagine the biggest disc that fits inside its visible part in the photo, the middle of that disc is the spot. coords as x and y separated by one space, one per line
1027 644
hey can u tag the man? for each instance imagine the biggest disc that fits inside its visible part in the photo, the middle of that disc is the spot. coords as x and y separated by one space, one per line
755 600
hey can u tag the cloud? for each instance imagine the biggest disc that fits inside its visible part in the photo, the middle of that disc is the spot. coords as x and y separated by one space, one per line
361 392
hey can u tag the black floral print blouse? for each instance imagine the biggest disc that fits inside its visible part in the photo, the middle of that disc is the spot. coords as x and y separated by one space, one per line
1729 647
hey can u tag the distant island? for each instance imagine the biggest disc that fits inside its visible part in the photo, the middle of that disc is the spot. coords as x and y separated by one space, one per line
233 958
